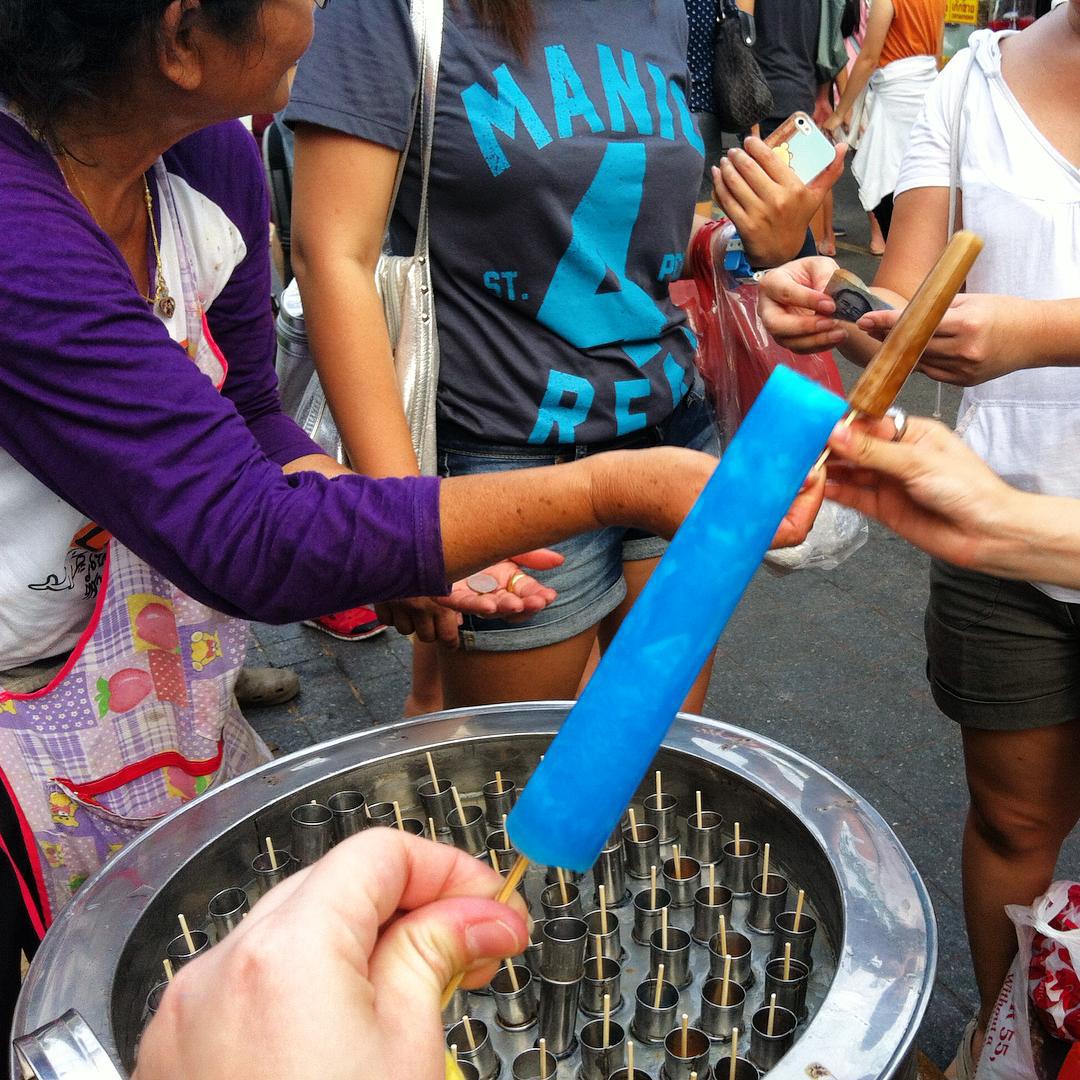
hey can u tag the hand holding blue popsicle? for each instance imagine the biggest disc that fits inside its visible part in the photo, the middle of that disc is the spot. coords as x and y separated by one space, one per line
595 763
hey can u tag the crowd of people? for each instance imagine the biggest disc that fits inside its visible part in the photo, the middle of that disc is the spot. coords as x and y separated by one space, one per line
154 496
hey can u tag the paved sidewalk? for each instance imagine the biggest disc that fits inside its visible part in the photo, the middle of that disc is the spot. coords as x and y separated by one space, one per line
831 664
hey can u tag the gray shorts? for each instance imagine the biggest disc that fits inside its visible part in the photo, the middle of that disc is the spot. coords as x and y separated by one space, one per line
1001 655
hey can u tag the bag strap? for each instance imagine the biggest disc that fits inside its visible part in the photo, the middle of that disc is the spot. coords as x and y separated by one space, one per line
427 23
954 146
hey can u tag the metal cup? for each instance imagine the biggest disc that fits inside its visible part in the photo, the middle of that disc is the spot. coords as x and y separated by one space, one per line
505 855
790 992
600 979
661 814
552 876
739 870
527 1066
350 812
610 945
153 999
610 871
646 917
226 909
468 833
642 853
679 1065
716 1020
480 1052
178 952
437 801
312 832
707 915
516 1008
266 875
456 1008
468 1070
563 955
558 1015
498 802
652 1024
767 900
682 881
381 813
598 1061
624 1074
744 1069
415 827
551 900
675 958
740 950
766 1050
704 840
534 950
801 941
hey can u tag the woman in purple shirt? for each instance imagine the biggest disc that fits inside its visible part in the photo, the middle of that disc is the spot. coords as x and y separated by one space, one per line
152 494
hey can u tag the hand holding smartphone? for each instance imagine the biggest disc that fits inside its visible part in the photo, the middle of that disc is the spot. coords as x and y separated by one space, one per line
801 145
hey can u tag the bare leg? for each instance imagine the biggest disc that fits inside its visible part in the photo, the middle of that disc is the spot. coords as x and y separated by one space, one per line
481 678
1024 802
637 574
877 241
425 694
827 241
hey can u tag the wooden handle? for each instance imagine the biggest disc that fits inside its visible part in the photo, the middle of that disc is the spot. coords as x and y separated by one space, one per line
886 374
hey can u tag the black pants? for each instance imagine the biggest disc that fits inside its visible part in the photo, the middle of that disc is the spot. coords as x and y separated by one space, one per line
16 931
883 213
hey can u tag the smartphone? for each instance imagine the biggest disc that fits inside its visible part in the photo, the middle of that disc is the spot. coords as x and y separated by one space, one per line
800 144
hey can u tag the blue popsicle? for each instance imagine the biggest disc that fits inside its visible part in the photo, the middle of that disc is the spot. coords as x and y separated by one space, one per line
595 763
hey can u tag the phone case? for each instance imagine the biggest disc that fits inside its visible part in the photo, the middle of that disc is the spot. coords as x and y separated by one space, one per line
800 144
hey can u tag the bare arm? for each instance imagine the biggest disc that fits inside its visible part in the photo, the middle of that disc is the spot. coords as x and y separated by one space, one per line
341 196
877 29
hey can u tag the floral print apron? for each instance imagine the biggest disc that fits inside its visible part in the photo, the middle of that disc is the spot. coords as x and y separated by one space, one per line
142 717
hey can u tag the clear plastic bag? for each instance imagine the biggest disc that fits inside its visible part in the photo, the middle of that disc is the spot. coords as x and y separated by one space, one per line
736 355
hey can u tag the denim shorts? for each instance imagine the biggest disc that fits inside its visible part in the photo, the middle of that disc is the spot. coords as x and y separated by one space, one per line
590 582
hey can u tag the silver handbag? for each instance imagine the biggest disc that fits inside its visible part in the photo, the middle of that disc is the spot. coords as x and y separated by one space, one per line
403 283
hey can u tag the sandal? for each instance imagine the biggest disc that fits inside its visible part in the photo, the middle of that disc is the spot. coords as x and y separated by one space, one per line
963 1065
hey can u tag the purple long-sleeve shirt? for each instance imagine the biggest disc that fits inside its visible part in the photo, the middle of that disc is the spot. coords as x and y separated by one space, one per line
101 406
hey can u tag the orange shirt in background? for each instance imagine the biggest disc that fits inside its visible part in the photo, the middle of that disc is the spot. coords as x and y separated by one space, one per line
915 31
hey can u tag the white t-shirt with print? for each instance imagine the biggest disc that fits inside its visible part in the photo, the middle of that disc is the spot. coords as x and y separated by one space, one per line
1023 197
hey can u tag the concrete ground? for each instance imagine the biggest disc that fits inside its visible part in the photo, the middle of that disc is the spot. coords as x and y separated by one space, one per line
831 664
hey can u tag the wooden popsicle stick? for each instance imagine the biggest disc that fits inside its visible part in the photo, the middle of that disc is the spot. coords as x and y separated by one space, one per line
510 883
453 1051
494 861
738 839
498 783
397 816
607 1021
469 1032
431 828
188 939
798 910
603 908
659 986
697 799
652 878
633 824
562 885
512 974
457 803
765 872
270 853
676 859
659 789
543 1059
723 936
685 1035
712 884
599 959
664 929
734 1053
431 769
726 984
787 961
772 1014
693 1075
506 832
630 1070
167 965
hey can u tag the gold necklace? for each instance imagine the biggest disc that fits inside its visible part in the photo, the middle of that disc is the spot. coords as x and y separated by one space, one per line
161 301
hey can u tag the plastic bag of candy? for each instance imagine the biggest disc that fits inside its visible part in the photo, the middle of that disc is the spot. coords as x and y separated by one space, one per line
1036 1020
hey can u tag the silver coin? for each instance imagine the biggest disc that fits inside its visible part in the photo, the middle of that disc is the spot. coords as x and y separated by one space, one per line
482 583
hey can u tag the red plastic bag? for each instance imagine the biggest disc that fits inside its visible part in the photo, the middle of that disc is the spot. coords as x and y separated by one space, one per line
736 354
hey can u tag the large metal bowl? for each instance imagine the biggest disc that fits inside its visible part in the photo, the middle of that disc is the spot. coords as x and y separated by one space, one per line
104 951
